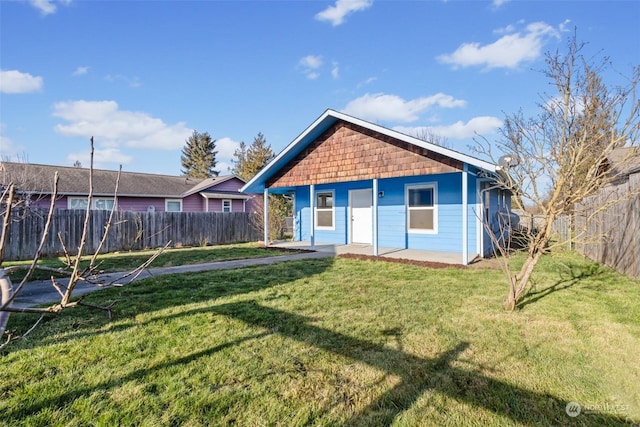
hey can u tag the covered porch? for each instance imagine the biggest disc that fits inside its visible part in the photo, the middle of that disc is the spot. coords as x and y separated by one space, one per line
364 249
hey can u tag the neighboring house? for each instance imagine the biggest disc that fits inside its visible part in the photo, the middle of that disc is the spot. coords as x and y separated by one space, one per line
358 182
624 164
140 192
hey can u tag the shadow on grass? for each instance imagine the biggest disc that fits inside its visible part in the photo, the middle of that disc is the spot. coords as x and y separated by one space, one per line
569 277
417 375
68 396
161 293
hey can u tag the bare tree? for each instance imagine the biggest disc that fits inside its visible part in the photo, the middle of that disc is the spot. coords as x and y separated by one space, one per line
428 135
555 159
75 272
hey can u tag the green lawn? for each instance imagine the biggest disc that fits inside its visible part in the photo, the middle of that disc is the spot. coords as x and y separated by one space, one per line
126 261
336 342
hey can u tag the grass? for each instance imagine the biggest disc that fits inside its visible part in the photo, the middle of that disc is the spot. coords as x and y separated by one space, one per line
126 261
336 342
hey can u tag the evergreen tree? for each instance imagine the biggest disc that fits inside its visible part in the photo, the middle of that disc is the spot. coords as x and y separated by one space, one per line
199 156
249 160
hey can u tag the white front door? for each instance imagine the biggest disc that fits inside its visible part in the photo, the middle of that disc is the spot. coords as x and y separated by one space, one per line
361 219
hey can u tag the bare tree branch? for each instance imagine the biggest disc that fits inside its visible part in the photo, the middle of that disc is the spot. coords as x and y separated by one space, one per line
564 154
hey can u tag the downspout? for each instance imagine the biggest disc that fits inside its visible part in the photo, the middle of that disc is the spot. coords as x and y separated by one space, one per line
465 216
266 216
375 216
312 237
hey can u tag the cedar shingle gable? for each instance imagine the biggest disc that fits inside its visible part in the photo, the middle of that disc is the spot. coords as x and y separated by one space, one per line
349 152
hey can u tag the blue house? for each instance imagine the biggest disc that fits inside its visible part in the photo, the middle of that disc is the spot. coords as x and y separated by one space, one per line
355 182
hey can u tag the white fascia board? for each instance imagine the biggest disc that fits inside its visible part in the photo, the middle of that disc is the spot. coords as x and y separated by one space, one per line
213 195
481 164
210 182
420 143
287 149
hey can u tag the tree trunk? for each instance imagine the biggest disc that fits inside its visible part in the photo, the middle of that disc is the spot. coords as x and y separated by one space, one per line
520 282
6 291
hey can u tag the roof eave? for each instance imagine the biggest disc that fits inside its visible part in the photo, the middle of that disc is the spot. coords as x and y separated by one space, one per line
257 183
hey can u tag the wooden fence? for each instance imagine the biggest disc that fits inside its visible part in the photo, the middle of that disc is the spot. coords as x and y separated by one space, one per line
560 229
129 231
609 227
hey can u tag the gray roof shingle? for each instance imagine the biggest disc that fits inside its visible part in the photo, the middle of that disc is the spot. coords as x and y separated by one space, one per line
72 181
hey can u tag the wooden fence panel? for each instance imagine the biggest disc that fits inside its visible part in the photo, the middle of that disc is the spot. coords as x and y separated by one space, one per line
610 232
129 231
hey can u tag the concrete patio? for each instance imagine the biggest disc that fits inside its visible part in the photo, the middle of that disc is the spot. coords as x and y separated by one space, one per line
364 249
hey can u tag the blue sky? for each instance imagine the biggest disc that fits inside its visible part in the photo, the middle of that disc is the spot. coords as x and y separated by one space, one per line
140 76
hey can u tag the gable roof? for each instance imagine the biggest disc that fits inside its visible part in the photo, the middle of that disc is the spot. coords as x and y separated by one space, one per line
74 181
329 118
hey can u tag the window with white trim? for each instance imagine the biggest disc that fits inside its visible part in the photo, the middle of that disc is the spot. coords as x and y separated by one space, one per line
422 208
226 205
105 204
173 205
325 213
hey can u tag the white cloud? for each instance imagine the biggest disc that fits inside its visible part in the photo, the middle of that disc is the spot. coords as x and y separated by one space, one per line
14 81
47 7
563 27
497 3
113 127
336 14
224 167
129 81
81 71
9 149
102 158
335 71
310 65
481 125
366 82
510 51
380 106
225 148
311 61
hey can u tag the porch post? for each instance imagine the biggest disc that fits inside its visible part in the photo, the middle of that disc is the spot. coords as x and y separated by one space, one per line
465 216
312 207
266 216
375 216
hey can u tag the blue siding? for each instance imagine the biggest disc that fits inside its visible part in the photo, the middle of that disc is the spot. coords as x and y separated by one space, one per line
392 213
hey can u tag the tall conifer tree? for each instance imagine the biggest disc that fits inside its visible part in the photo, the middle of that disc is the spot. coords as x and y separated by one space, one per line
199 156
249 160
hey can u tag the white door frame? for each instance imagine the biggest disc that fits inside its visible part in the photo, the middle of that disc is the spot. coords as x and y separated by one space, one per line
351 225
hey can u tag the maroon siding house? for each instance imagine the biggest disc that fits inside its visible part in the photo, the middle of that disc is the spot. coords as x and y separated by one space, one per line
139 192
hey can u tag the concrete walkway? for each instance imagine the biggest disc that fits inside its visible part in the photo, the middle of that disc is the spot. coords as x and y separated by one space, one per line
41 292
365 249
